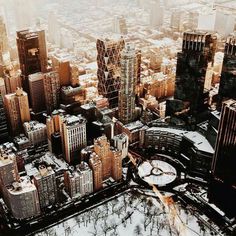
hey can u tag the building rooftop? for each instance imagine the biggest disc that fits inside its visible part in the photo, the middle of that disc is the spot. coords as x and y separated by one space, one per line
58 112
168 130
49 159
36 76
43 171
94 159
88 106
83 166
134 125
24 185
216 114
33 126
27 34
198 140
21 139
7 147
70 120
231 104
7 159
121 136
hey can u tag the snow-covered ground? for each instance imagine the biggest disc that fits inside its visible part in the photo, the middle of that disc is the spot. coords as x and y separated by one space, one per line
130 214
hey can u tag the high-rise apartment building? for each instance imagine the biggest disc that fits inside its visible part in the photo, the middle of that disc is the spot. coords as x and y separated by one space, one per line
61 64
110 157
102 149
3 123
95 164
177 19
198 50
2 88
45 182
37 95
116 164
108 60
121 143
51 82
3 42
128 79
54 28
228 76
223 188
156 13
217 21
32 54
119 25
86 178
53 123
17 109
80 181
23 199
36 132
12 80
72 183
73 134
8 168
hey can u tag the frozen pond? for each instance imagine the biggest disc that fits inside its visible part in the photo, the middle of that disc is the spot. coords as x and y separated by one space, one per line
132 213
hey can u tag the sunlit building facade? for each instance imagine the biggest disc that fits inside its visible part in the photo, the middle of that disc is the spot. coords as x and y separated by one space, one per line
128 84
32 53
17 109
108 73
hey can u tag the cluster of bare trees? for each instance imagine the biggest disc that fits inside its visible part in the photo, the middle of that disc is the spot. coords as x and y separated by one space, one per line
107 219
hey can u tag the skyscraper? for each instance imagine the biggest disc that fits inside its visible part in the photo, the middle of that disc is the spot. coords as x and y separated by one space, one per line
3 42
116 164
17 109
228 76
102 149
32 54
110 157
198 50
53 123
37 95
156 13
223 187
73 134
108 60
61 64
127 90
2 87
96 165
52 90
3 123
54 29
12 80
119 25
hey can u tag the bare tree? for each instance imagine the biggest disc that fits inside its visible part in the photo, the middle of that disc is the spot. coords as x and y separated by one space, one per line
138 230
105 228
